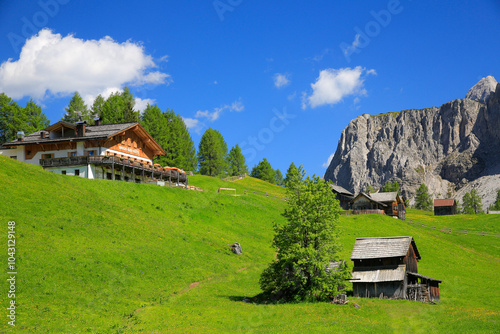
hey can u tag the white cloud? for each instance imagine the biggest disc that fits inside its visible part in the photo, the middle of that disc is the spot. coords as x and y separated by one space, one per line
217 112
141 104
52 65
326 164
333 85
193 124
353 47
281 80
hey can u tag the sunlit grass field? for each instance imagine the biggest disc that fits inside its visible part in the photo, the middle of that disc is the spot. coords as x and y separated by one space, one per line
96 256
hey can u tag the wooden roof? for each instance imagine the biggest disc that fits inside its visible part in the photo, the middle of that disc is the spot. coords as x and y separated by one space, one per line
340 190
93 132
444 202
385 197
379 274
376 248
362 194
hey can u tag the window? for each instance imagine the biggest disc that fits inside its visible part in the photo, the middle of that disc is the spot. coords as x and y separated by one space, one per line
77 172
91 153
71 154
48 156
14 157
63 172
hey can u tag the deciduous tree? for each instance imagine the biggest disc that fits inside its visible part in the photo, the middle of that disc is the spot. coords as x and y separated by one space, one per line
306 244
390 187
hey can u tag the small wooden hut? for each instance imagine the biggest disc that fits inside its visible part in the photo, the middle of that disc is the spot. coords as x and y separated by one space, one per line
389 202
387 267
446 206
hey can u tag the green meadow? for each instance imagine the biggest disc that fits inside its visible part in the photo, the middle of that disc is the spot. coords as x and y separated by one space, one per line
97 256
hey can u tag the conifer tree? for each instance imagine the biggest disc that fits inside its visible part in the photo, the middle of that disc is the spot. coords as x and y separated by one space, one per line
97 106
212 153
236 162
294 174
264 171
471 203
119 108
278 177
170 132
305 245
423 201
76 109
496 205
14 118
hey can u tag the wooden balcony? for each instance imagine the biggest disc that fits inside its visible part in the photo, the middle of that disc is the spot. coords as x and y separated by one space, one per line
123 164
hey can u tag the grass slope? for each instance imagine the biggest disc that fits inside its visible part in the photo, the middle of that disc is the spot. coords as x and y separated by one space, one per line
97 256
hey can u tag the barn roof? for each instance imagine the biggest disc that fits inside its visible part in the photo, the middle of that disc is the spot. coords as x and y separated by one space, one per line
384 197
362 194
341 190
375 248
380 274
444 202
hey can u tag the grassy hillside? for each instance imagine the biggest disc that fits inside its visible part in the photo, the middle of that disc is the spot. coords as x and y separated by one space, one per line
98 256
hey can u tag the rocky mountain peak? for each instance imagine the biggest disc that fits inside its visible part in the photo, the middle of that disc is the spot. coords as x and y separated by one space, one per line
452 148
481 91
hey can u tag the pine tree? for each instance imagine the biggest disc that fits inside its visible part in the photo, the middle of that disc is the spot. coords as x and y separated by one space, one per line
97 106
236 162
170 132
77 109
264 171
496 205
119 108
212 153
423 201
471 203
294 174
278 177
14 118
306 244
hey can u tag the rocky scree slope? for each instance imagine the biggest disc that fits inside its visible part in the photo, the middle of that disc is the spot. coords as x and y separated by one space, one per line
451 149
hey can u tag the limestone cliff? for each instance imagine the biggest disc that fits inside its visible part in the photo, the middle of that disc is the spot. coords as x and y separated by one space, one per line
451 148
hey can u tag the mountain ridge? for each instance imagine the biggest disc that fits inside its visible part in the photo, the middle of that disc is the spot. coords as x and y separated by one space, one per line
450 148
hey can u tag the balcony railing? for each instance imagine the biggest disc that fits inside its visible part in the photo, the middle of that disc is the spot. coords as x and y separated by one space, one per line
116 163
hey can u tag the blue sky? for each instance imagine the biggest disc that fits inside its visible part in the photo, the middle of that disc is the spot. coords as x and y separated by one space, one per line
281 79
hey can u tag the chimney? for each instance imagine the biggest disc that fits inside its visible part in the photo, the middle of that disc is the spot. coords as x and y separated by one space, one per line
97 120
42 134
20 135
80 128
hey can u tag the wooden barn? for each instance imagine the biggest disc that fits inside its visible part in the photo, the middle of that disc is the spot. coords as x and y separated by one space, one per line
444 207
390 203
387 267
344 196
